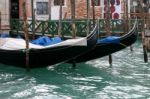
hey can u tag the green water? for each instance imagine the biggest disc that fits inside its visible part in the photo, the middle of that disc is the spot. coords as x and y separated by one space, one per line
129 78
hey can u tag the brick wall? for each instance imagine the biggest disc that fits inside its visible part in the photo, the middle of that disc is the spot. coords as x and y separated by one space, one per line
28 8
81 10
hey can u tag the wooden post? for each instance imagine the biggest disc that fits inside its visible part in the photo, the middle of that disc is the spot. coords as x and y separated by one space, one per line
65 15
60 19
73 25
124 16
127 17
127 21
143 33
144 47
26 36
93 8
0 21
88 17
145 54
108 27
49 6
73 18
33 19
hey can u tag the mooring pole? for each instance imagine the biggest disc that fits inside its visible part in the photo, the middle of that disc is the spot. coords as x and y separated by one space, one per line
26 36
73 18
88 17
74 63
145 54
108 27
33 19
143 33
127 21
0 22
73 25
144 47
93 10
60 19
49 6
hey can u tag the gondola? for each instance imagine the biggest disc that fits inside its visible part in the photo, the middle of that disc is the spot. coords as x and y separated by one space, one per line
49 55
108 45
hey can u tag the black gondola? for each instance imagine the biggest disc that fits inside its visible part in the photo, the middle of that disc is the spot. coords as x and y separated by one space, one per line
106 47
43 57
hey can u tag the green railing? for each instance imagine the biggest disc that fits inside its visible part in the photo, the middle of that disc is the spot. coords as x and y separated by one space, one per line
51 27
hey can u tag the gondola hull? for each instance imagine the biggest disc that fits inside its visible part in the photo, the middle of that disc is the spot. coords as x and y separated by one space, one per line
47 56
40 58
104 49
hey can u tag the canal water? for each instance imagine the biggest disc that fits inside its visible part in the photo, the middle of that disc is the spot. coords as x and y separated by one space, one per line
129 78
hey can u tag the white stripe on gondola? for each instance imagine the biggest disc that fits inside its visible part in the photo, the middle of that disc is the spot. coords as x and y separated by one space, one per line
17 44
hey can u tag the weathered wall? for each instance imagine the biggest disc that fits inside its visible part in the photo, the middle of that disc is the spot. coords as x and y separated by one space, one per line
81 9
28 8
4 9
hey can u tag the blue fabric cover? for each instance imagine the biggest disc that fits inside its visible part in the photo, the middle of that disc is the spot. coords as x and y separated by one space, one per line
44 40
110 39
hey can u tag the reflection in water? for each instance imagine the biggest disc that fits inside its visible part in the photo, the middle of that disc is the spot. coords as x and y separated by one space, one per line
129 77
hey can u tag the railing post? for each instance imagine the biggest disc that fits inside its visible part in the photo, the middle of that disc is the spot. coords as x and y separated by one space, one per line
112 26
43 24
49 32
17 25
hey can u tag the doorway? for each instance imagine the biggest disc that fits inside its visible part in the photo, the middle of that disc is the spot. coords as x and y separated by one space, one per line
14 9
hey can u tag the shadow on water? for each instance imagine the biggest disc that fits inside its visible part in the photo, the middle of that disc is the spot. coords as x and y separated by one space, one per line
66 74
84 77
